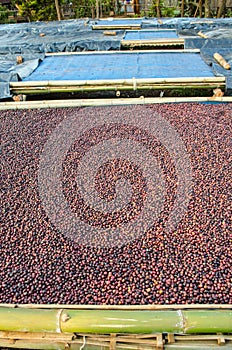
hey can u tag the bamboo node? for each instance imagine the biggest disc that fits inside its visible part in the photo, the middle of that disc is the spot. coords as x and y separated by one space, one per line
65 317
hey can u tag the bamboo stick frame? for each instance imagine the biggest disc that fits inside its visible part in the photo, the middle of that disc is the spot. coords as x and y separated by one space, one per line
42 87
165 41
108 102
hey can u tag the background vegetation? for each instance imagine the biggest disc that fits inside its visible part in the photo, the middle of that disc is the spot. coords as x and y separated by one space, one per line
48 10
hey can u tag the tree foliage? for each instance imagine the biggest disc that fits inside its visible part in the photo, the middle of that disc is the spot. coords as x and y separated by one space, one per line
45 10
37 10
3 13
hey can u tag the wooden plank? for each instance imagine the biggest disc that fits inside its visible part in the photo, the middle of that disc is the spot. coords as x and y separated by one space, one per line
202 337
36 335
32 344
171 338
113 341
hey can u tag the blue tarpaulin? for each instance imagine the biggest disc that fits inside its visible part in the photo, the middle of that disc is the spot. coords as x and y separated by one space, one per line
150 34
121 65
118 22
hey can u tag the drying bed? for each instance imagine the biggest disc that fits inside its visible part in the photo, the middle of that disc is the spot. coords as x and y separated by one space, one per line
44 261
102 71
152 38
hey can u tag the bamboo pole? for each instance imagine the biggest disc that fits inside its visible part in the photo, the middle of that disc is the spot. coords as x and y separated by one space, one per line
111 19
94 88
114 87
28 320
153 30
91 53
108 321
116 321
154 42
197 321
42 87
202 35
109 33
116 26
221 61
110 102
118 81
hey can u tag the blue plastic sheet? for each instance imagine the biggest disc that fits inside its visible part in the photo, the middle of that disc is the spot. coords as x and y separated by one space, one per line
33 40
118 22
121 66
11 71
190 24
61 36
150 34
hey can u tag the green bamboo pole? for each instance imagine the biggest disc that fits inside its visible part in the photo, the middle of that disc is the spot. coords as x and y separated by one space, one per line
116 321
216 321
27 320
97 321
